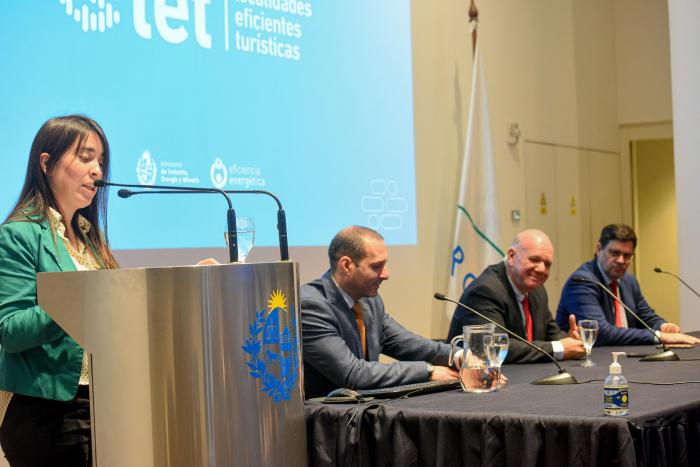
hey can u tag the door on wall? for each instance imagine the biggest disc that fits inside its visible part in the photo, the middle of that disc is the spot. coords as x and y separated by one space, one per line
570 194
655 221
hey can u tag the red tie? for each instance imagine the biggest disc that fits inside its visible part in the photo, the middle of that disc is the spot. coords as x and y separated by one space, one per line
528 318
618 308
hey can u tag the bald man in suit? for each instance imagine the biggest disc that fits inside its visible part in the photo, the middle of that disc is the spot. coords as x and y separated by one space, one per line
512 294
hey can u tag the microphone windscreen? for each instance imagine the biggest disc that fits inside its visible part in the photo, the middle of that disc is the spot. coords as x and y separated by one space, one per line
657 269
100 183
439 296
123 193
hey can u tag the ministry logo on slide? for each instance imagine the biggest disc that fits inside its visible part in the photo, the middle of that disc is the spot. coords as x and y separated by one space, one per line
219 174
93 15
146 169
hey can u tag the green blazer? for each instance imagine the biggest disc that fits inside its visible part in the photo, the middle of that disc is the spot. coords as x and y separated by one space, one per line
37 358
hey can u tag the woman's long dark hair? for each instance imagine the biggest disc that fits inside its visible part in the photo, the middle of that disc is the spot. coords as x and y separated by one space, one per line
56 137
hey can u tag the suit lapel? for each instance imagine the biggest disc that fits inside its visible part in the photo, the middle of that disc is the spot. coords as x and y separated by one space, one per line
625 296
513 306
55 249
539 319
609 308
347 316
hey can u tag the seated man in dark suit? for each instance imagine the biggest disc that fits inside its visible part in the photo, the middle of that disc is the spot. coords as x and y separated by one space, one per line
512 294
588 300
345 328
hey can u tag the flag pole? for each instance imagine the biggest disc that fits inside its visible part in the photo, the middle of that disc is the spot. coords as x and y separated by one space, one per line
473 21
477 222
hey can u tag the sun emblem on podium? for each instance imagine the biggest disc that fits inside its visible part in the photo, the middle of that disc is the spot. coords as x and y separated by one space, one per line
272 349
277 300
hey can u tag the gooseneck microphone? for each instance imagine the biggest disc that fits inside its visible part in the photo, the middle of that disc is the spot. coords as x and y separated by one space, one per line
281 216
563 377
230 214
666 355
661 271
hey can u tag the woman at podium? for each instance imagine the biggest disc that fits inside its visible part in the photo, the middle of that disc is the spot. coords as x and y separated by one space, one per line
58 224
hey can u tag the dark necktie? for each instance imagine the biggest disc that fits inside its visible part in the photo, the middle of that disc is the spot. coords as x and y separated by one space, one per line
528 318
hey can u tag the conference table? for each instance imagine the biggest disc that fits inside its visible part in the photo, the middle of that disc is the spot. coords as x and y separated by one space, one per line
524 424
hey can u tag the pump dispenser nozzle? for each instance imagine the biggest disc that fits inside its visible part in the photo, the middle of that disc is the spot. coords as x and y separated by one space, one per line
615 367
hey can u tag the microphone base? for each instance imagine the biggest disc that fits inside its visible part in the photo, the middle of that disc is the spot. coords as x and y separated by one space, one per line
561 378
667 356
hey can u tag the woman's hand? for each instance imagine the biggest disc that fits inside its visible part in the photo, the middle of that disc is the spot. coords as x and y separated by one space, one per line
208 262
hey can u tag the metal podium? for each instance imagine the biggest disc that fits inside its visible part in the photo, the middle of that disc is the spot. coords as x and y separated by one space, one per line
190 366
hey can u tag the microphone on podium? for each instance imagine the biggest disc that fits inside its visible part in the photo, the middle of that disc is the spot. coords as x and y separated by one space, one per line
281 216
230 214
563 377
666 355
661 271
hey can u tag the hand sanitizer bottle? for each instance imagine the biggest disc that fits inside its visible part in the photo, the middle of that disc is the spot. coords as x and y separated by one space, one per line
616 390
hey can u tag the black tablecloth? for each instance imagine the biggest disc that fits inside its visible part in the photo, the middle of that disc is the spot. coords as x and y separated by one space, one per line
523 424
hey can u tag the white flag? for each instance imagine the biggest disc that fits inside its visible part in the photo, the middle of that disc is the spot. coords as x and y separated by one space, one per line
476 228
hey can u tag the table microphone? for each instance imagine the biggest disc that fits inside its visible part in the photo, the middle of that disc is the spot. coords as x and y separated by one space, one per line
666 355
281 216
230 214
563 377
659 270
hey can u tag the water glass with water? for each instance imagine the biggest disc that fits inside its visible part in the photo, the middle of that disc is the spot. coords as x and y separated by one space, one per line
588 328
245 235
498 350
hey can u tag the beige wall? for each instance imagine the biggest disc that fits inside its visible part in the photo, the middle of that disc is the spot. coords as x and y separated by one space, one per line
568 72
546 70
642 61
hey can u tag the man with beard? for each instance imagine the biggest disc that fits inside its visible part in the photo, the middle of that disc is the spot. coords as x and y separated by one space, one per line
512 294
345 327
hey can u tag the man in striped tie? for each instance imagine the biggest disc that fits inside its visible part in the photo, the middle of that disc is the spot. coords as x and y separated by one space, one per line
512 294
584 296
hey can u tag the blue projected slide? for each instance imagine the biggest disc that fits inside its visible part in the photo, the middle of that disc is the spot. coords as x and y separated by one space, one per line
310 99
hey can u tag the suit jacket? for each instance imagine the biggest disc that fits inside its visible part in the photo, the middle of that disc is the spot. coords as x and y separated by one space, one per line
37 358
492 295
588 301
333 349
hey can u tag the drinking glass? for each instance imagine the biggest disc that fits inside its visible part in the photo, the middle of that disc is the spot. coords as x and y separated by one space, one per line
588 328
498 349
245 234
